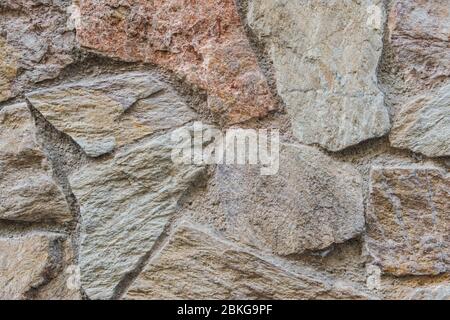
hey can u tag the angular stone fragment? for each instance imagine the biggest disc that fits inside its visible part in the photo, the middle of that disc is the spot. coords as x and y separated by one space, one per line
8 70
198 265
438 292
408 220
125 204
423 124
325 55
104 113
310 204
420 43
31 263
36 32
202 41
29 192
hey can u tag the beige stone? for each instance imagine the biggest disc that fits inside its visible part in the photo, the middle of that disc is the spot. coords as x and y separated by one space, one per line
35 32
125 204
312 203
29 191
66 285
408 221
325 55
418 34
8 70
423 124
437 292
31 263
105 113
196 264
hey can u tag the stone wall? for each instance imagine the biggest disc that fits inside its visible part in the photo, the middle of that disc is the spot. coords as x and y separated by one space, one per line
92 206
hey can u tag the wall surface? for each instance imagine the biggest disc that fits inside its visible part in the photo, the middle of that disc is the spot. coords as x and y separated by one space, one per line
93 206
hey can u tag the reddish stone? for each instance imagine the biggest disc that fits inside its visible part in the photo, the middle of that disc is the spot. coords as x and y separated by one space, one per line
203 41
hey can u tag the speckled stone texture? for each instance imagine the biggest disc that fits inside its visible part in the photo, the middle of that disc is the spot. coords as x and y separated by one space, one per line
36 43
202 41
29 191
408 220
418 32
326 77
349 101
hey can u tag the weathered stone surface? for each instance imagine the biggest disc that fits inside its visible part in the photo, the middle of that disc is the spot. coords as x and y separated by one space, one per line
29 192
438 292
66 284
102 114
408 221
311 203
325 55
202 41
31 263
35 32
125 204
114 217
8 70
423 124
198 265
419 36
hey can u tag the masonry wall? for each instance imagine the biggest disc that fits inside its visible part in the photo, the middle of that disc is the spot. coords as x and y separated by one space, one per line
92 205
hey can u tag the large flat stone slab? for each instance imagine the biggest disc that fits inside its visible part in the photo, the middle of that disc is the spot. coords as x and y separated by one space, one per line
325 55
423 124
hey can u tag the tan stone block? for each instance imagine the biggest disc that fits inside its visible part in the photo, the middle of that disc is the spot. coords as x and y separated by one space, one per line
201 41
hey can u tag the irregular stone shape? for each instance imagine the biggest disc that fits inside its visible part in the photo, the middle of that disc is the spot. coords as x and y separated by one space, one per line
8 70
325 55
418 33
423 124
408 221
125 204
310 204
202 41
29 192
36 31
102 114
438 292
198 265
31 263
